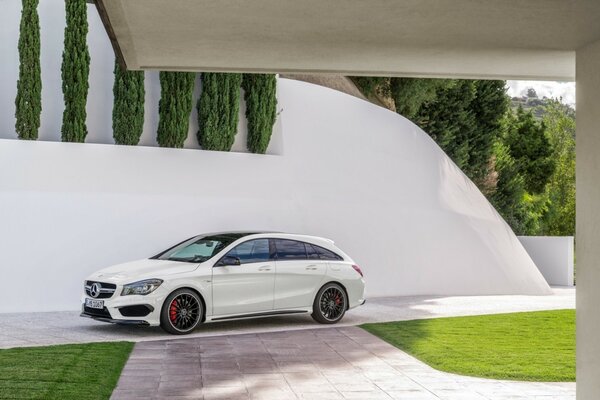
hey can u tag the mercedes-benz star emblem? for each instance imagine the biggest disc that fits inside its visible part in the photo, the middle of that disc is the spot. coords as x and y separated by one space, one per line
95 289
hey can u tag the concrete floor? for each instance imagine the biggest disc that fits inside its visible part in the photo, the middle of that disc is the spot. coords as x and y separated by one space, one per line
293 357
35 329
331 363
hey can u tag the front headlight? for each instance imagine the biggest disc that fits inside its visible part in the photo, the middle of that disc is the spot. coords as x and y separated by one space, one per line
142 287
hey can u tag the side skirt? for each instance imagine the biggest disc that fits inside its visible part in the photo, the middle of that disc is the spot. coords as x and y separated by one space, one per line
261 314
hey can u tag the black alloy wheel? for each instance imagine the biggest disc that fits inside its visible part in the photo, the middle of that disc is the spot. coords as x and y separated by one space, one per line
182 311
330 304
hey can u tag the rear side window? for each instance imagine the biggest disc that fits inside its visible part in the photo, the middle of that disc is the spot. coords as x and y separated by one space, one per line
325 254
312 252
290 249
251 251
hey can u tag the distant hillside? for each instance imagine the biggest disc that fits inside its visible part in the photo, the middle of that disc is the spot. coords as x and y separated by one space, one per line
537 106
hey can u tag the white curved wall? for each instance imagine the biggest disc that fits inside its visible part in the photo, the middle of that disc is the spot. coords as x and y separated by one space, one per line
345 169
351 171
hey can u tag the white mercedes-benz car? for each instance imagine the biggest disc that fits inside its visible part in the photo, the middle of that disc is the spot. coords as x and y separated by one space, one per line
226 276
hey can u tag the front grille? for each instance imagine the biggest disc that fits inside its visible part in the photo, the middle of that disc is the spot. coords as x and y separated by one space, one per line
95 312
106 289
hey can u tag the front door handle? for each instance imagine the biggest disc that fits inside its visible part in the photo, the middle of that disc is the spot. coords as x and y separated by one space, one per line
264 269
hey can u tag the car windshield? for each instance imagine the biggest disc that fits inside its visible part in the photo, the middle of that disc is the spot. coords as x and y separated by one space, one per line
200 248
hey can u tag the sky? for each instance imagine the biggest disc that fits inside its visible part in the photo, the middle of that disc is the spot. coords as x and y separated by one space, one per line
564 90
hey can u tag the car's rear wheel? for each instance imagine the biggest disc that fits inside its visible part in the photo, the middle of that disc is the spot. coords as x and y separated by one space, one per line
182 311
330 304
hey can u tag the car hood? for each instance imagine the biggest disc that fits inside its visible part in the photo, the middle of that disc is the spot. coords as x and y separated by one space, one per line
141 269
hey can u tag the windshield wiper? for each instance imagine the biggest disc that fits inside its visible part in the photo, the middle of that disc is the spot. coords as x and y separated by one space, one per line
195 259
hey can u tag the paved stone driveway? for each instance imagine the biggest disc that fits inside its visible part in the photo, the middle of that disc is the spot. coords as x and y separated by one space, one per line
331 363
35 329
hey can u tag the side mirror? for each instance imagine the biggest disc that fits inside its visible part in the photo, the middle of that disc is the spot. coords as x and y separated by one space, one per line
228 260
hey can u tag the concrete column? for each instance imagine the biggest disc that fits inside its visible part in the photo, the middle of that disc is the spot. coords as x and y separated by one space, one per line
588 222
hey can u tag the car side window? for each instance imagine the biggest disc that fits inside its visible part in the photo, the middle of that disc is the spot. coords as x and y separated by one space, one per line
252 251
325 254
290 250
311 252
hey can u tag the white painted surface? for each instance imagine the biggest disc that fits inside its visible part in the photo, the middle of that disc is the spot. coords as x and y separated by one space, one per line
553 255
588 222
490 39
351 171
100 97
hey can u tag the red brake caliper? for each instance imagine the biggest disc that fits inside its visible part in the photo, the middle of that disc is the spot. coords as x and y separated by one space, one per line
338 300
173 310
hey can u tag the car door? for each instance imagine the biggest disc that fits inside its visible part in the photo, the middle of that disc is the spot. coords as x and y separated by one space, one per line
300 272
247 287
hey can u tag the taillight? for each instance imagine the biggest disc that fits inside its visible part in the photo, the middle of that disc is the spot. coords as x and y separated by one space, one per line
357 269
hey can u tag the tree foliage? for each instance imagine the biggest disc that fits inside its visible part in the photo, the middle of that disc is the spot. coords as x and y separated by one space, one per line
372 85
560 191
218 110
128 107
449 120
409 94
75 71
261 109
489 106
531 149
29 86
174 107
510 188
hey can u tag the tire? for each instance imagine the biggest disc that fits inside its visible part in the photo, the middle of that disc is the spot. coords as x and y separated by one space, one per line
330 304
181 312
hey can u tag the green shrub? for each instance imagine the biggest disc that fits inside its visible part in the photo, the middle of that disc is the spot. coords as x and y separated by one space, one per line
372 85
218 110
75 71
260 93
174 107
128 107
29 86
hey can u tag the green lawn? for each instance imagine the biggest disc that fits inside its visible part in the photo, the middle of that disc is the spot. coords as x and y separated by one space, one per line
79 371
531 346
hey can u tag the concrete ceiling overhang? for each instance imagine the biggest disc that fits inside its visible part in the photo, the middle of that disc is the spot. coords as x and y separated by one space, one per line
520 39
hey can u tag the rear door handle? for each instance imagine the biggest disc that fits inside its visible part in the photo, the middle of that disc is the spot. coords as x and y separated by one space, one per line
311 268
264 269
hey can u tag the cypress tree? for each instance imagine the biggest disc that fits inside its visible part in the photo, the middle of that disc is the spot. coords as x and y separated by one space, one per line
29 86
450 121
261 109
489 107
532 151
75 71
410 94
218 110
174 108
510 189
128 107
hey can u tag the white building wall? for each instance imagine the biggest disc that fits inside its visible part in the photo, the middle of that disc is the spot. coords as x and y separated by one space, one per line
351 171
553 255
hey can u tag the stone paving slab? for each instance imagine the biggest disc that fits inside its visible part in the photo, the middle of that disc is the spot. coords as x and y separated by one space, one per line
329 363
37 329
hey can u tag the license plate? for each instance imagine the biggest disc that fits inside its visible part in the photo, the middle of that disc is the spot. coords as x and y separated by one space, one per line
94 303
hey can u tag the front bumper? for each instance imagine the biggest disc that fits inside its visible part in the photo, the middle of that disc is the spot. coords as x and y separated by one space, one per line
116 321
117 309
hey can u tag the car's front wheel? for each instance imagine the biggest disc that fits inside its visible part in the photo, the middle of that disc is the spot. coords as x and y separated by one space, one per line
330 304
182 311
